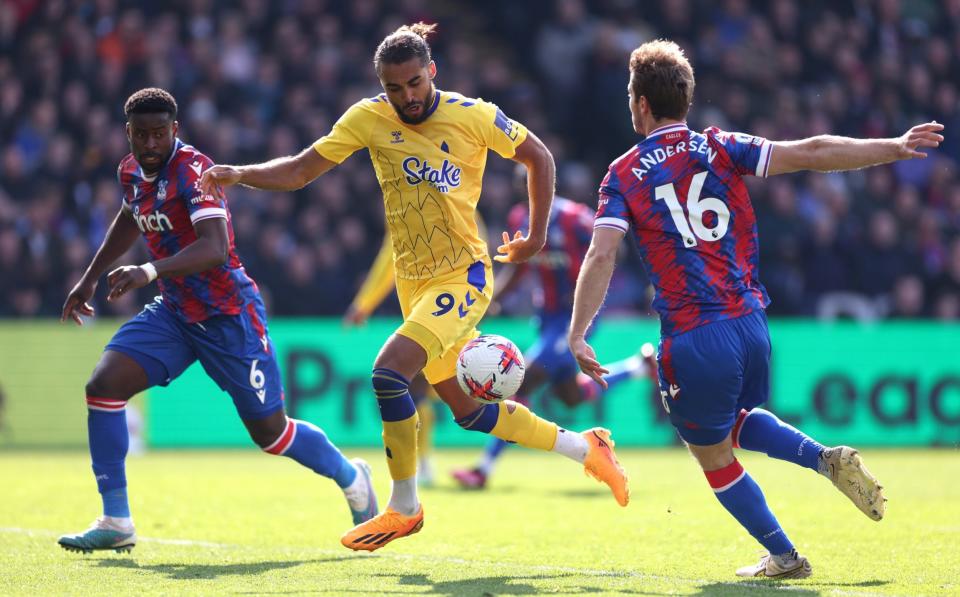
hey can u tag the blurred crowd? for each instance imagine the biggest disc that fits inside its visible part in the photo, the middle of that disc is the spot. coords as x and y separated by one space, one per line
257 79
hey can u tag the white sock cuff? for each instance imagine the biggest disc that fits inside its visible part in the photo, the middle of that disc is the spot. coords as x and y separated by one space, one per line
571 444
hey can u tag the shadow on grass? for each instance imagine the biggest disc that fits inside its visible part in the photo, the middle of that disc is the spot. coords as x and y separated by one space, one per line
751 588
863 583
600 491
488 586
213 571
754 588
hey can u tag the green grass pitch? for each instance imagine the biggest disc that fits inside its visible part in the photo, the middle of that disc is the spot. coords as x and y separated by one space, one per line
241 522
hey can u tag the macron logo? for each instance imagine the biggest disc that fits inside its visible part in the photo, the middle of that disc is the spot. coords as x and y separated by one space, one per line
197 167
156 222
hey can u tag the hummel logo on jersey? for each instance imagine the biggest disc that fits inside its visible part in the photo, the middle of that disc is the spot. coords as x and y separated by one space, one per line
444 179
197 167
396 137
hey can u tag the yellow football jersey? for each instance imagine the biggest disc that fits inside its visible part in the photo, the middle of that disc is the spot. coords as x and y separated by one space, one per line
430 173
379 281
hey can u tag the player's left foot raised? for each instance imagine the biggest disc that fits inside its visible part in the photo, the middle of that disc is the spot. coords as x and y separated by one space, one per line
601 464
102 534
382 529
845 468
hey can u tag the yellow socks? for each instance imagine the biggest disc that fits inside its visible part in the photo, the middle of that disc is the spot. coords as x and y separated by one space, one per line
515 423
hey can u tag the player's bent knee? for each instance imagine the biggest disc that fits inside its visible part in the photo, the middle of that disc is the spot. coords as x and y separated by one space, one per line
117 376
713 457
272 433
103 386
388 383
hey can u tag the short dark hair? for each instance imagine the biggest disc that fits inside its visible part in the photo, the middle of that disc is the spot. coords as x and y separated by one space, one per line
409 41
150 101
663 75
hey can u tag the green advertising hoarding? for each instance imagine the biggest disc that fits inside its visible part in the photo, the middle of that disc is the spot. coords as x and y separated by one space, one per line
884 384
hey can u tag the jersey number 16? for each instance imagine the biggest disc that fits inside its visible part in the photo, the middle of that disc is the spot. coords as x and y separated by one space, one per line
696 206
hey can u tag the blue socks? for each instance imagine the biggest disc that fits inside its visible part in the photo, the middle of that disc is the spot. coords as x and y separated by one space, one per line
742 498
109 441
484 419
393 395
308 444
759 430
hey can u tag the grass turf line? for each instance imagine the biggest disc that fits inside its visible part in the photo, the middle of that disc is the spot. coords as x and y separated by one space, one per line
264 525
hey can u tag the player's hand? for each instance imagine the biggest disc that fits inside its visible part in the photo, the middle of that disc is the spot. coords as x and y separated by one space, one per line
76 303
124 279
587 360
216 177
518 250
922 135
354 317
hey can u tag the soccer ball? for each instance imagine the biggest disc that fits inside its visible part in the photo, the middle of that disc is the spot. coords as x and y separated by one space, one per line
490 368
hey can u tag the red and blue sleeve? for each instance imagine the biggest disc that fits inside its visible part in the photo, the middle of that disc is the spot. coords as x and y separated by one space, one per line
199 205
750 154
612 208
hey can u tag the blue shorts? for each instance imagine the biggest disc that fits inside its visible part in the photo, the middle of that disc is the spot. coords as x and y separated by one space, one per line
709 373
234 350
551 352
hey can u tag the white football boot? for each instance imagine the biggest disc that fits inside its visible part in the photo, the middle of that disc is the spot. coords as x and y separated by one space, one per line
792 566
843 466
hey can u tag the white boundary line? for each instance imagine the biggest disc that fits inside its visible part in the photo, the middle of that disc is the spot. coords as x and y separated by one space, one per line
454 560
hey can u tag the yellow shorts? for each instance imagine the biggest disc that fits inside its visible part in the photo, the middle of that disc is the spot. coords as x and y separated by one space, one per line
441 314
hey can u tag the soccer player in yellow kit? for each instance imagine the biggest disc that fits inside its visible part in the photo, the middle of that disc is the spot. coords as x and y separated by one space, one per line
429 150
379 283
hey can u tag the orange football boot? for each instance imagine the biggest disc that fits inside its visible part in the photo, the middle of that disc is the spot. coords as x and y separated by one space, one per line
601 464
382 529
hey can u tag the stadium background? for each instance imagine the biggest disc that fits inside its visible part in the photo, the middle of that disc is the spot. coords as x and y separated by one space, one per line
863 268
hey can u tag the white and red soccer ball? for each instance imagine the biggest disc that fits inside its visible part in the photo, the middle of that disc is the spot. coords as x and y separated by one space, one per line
490 368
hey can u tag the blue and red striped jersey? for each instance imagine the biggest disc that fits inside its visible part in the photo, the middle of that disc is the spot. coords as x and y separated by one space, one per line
165 207
683 194
557 265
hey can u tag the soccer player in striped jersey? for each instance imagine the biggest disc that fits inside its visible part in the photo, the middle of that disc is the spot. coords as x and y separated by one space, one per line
549 361
208 310
683 195
429 149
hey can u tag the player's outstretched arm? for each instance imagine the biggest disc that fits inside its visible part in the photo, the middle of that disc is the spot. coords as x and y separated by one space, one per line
120 237
828 153
592 286
281 174
211 249
541 180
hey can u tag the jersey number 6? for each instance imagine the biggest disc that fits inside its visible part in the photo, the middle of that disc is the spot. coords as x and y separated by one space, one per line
697 207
